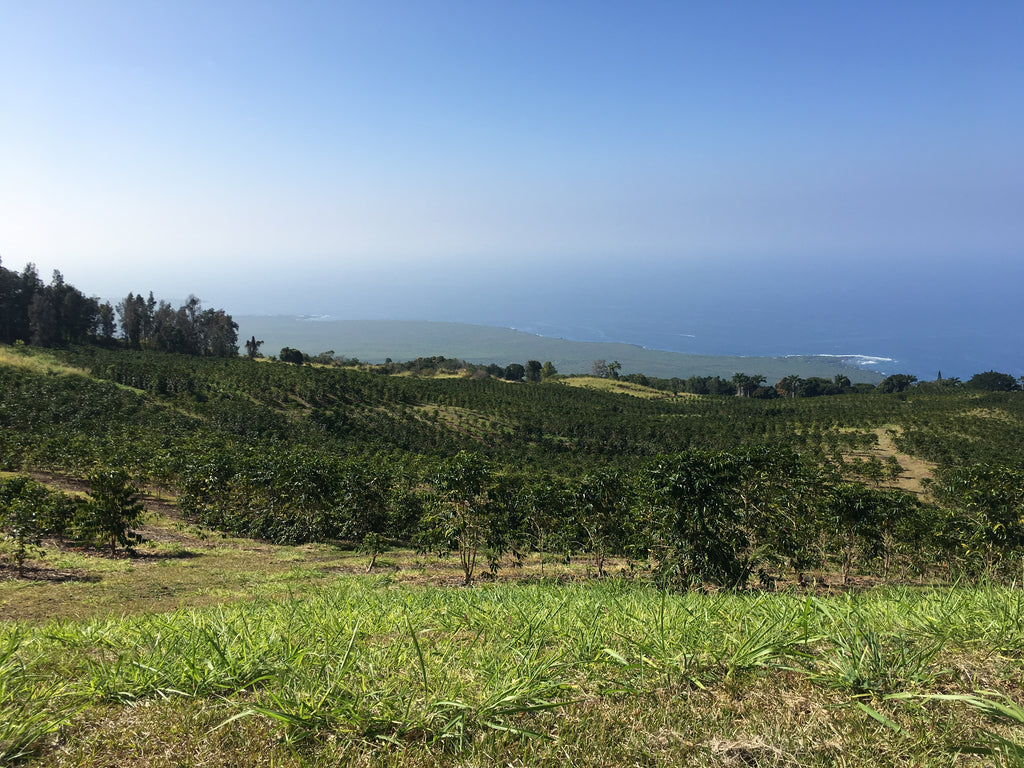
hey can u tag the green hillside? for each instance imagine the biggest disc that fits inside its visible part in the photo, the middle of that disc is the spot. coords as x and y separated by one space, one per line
314 453
251 562
377 340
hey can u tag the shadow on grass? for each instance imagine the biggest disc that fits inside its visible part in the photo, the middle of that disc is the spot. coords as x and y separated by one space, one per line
172 554
9 572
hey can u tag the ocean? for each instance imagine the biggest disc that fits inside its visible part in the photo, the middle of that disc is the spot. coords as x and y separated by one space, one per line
924 317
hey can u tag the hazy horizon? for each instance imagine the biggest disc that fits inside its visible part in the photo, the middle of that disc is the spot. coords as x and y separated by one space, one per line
794 178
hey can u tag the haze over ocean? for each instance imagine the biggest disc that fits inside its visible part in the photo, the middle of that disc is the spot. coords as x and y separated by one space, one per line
923 317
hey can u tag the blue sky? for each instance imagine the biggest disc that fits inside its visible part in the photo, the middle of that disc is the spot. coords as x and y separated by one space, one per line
177 146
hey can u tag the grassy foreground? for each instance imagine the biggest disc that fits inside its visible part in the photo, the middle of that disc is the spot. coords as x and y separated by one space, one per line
318 667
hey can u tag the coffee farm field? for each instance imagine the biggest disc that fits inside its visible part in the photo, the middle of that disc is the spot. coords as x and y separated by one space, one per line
242 562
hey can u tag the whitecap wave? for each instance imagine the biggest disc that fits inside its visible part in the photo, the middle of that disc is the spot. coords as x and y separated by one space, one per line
864 361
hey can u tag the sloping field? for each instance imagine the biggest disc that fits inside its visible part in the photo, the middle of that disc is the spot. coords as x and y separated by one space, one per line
316 667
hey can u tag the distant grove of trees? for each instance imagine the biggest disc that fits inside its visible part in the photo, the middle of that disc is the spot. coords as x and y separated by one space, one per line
533 371
49 315
739 385
59 314
743 385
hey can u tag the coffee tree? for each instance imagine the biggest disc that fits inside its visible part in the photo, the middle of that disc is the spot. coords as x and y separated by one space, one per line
986 512
702 531
602 512
457 518
22 515
112 511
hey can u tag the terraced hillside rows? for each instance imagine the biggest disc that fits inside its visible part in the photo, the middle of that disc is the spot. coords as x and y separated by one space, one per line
693 488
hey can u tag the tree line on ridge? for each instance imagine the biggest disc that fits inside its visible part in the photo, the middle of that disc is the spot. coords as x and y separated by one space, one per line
59 314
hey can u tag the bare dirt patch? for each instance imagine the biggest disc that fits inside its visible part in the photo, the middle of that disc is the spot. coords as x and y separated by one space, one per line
915 470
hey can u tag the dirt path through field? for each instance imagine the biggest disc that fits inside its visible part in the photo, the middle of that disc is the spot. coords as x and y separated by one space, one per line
914 470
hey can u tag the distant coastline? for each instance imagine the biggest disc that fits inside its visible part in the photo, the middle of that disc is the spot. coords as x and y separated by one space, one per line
881 364
377 340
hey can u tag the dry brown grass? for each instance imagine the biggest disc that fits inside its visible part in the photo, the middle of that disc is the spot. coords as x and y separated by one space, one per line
621 387
37 361
915 470
463 420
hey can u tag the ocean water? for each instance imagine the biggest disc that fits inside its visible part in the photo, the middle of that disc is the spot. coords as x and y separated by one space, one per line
923 317
902 322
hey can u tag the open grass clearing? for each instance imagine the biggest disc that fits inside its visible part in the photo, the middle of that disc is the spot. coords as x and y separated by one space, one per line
204 650
37 361
182 565
620 387
463 420
915 470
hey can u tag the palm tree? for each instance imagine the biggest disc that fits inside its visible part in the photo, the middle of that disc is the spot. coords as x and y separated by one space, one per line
788 385
745 385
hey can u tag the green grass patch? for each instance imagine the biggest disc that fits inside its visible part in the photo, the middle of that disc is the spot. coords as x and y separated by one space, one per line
37 360
361 670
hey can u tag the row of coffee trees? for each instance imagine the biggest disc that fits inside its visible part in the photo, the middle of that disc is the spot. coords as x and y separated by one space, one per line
31 511
726 518
720 490
729 518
